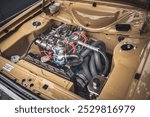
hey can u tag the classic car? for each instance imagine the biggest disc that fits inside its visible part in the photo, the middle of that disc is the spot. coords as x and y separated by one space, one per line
75 49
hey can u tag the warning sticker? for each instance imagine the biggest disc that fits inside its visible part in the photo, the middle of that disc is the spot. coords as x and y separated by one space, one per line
7 67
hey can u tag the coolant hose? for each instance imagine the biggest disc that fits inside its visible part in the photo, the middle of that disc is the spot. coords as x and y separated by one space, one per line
77 60
98 61
106 68
92 66
86 69
101 51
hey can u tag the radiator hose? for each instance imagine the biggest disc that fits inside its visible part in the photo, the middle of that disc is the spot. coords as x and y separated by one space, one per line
77 60
92 65
86 69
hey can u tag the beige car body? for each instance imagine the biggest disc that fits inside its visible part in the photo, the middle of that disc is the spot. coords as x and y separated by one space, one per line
99 22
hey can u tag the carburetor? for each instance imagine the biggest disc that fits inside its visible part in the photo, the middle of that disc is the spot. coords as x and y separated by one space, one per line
61 42
59 53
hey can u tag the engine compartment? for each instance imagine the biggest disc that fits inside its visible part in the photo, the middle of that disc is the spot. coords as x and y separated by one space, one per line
70 53
61 56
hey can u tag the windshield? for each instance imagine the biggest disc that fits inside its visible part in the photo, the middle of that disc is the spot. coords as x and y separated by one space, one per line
11 8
